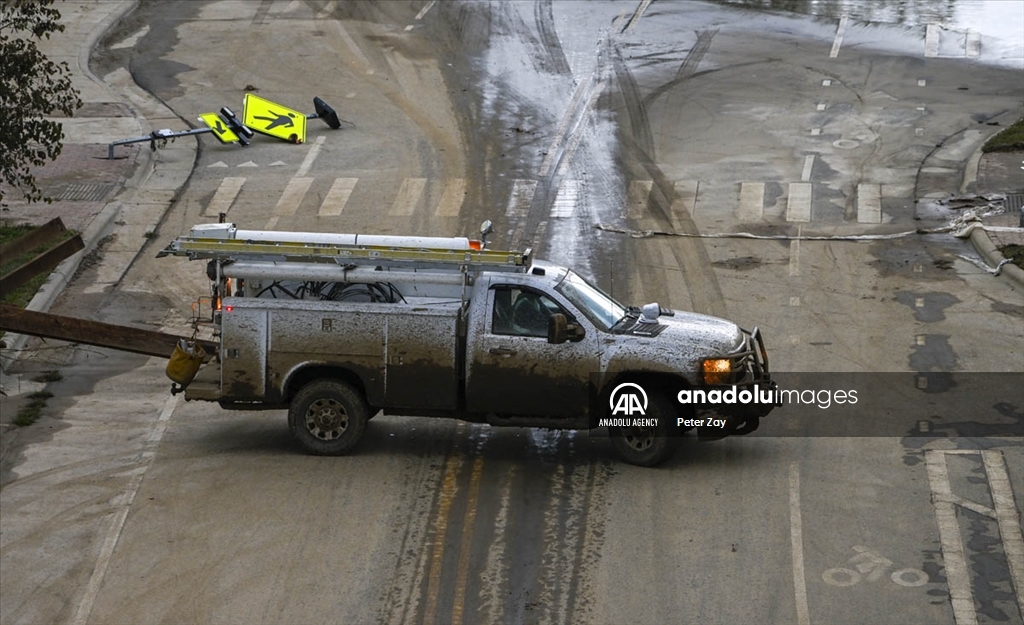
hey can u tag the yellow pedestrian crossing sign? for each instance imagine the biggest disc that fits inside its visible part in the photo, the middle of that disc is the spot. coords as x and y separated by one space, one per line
270 118
219 127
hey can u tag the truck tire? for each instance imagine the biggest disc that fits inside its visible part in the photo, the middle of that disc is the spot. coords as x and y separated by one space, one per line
647 447
328 418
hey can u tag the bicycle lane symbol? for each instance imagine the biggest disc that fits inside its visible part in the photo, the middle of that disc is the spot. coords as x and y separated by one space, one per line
870 565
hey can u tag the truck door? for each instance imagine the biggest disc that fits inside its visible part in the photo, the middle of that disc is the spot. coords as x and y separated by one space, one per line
514 371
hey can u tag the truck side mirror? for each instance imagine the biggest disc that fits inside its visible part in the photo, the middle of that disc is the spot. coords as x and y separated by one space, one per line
558 329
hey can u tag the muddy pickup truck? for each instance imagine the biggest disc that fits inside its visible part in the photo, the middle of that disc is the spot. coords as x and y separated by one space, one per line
339 328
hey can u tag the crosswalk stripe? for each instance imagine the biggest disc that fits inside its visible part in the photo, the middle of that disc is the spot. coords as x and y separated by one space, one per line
751 206
408 197
931 40
224 197
518 208
565 201
336 198
293 194
521 198
869 203
451 198
798 206
685 203
638 196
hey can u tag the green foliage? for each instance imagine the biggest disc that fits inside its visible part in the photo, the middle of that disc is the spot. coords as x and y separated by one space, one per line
31 88
1009 140
33 409
51 375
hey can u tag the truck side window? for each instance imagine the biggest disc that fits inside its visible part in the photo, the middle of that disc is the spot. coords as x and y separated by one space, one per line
521 313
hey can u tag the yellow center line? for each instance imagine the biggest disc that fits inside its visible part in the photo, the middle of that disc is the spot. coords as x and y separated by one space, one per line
451 471
462 574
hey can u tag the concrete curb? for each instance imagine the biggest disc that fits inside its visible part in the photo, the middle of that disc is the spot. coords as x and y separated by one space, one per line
984 245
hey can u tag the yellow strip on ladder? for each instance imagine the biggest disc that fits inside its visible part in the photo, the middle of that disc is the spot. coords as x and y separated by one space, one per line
232 249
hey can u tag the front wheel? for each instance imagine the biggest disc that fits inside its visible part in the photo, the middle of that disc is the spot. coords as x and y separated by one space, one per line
328 418
647 446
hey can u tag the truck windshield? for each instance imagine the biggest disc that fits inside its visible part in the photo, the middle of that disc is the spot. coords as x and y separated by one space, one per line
592 301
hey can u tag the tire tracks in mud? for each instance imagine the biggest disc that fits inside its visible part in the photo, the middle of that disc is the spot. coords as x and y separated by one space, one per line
690 255
489 541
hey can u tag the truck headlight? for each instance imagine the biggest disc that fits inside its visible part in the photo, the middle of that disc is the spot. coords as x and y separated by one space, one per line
717 370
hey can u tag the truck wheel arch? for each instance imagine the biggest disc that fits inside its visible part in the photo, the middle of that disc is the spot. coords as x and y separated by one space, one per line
301 376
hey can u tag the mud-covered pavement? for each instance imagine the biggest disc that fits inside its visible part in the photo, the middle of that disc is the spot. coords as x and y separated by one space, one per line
551 118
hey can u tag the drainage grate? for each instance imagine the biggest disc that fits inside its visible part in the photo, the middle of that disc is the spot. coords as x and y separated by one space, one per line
1014 202
80 191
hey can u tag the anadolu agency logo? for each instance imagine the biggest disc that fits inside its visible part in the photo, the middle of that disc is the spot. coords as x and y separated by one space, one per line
628 402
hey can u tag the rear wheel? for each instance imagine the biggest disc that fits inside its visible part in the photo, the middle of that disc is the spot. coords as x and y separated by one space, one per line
647 446
328 418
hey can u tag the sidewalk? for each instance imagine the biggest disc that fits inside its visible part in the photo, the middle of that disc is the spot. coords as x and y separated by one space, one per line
116 203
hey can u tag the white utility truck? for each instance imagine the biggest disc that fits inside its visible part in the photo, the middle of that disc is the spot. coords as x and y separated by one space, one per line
339 327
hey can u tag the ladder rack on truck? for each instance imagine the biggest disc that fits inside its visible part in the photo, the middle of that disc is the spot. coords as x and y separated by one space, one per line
315 265
225 243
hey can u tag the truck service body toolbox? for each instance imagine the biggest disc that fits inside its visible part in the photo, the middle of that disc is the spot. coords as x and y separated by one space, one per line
338 327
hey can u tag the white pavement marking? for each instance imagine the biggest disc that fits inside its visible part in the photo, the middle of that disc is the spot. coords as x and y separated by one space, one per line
218 164
827 82
310 157
751 206
815 132
424 10
796 535
638 195
931 40
798 205
247 164
921 82
957 578
633 21
521 197
794 253
408 197
805 175
685 204
336 198
565 201
293 194
519 208
224 197
821 106
1006 517
451 198
124 505
972 46
869 203
839 37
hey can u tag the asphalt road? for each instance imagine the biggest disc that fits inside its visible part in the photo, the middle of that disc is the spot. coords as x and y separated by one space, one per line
551 118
